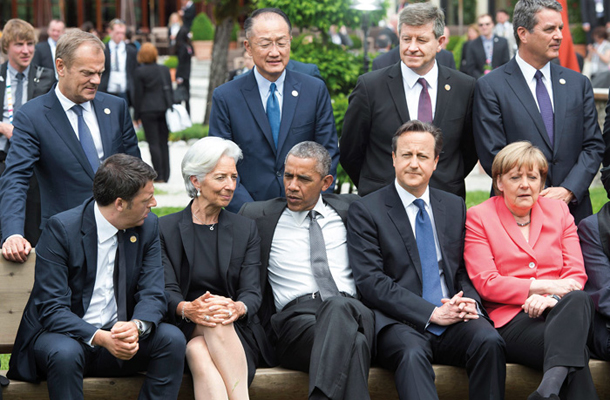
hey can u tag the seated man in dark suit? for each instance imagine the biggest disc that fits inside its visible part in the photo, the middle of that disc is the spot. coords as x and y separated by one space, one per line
594 233
320 327
98 296
405 245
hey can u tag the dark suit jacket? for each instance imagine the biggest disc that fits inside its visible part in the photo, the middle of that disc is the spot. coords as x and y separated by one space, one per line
473 56
505 112
44 142
304 68
238 114
130 67
37 85
149 82
43 56
588 14
267 214
189 15
443 57
238 258
383 255
378 107
66 264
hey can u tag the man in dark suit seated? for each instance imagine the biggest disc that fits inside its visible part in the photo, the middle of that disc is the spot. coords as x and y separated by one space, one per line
415 88
270 109
45 51
320 327
62 136
486 52
530 98
98 296
20 81
405 245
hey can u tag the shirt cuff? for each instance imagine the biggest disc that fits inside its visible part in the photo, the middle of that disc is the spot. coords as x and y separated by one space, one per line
90 341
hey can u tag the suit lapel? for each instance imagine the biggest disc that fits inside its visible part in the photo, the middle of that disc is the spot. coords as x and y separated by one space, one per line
398 216
516 81
560 93
3 71
225 245
442 94
131 243
58 120
89 231
508 222
267 223
440 223
397 91
31 82
253 99
338 205
103 119
289 105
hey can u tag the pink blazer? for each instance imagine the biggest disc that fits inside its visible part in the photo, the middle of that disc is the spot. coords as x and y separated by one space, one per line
501 263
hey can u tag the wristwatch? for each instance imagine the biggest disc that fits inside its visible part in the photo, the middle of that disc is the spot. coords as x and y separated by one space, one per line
139 326
556 297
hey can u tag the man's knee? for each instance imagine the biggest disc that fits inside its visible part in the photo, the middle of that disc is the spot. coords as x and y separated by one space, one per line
59 352
169 337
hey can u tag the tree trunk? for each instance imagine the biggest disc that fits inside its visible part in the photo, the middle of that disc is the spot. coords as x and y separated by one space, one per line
218 69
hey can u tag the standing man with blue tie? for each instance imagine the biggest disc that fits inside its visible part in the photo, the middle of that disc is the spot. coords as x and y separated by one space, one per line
62 137
270 110
121 63
530 98
405 245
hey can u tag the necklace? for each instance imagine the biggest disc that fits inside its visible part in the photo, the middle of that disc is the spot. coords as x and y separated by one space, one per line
518 223
202 223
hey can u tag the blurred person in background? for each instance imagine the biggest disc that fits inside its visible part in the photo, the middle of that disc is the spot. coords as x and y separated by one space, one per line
184 51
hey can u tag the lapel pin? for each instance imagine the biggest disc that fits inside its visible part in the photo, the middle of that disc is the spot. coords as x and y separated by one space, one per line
107 111
133 239
447 87
562 81
295 93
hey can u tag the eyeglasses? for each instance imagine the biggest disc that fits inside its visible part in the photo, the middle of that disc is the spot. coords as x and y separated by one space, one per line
280 44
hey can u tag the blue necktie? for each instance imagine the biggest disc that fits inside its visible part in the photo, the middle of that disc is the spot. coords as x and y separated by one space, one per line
273 114
544 102
426 247
18 101
86 140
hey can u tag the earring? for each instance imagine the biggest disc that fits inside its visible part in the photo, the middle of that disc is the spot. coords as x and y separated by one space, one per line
198 192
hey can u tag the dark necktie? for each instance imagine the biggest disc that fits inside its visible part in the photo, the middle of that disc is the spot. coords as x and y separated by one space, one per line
86 140
544 102
273 114
18 101
319 261
424 109
120 278
426 247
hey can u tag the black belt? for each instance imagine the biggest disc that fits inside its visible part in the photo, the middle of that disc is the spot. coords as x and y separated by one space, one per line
309 297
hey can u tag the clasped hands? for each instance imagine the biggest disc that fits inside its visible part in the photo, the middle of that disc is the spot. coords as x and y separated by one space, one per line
455 309
209 310
121 341
536 304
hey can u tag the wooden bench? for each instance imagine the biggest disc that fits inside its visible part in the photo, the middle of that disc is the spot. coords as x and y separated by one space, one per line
16 281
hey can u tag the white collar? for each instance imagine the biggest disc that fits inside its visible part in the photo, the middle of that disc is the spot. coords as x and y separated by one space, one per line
67 104
299 216
407 198
264 84
105 230
528 71
411 77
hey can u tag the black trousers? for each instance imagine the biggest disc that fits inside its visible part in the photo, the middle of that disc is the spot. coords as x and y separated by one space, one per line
156 132
474 345
599 342
332 340
559 339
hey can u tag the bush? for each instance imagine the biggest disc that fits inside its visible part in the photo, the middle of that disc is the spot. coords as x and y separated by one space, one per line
235 32
171 62
456 44
340 103
339 68
356 41
578 35
197 131
202 28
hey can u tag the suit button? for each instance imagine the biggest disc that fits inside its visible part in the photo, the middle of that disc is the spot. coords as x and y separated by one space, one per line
532 265
278 173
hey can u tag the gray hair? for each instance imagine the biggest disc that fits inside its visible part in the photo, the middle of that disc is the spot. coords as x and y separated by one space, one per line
418 14
312 150
202 158
71 41
525 12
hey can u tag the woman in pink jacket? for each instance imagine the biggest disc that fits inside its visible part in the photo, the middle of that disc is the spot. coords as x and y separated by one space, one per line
523 256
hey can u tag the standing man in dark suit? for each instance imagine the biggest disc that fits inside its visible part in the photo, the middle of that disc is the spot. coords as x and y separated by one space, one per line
443 57
20 81
320 327
405 245
530 98
45 51
594 13
62 136
120 65
188 12
486 52
383 100
269 110
98 296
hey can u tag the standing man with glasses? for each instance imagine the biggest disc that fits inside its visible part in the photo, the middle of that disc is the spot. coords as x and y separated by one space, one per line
270 110
120 65
486 52
62 136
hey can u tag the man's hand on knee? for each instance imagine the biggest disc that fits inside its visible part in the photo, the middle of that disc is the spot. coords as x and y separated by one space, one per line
16 248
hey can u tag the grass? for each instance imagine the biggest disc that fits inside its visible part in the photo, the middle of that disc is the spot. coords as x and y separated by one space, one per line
4 361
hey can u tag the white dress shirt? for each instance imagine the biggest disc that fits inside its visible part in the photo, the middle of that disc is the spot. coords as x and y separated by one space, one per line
89 117
413 89
528 73
289 268
117 81
263 88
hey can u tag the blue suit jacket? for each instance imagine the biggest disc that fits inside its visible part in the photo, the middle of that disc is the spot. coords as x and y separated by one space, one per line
44 142
238 114
505 111
66 264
